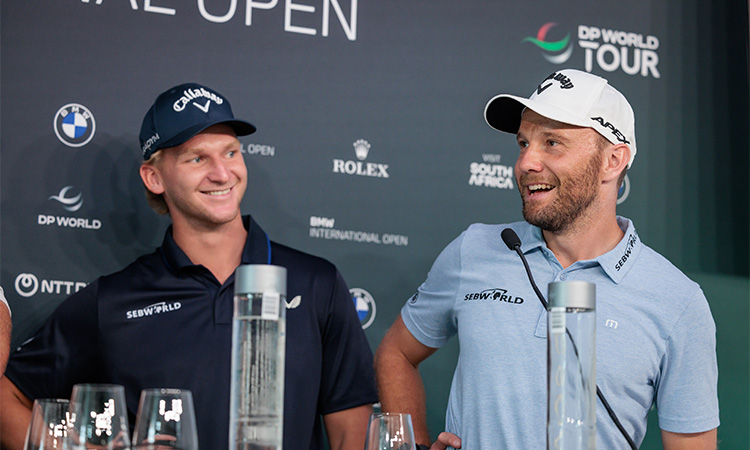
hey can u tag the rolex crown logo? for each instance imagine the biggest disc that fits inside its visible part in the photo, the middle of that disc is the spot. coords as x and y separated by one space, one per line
361 148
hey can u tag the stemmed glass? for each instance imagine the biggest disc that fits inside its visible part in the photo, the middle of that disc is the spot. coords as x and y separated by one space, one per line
48 426
390 431
165 420
98 418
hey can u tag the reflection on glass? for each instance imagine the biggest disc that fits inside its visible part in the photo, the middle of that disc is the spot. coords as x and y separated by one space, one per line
48 426
165 420
98 418
390 431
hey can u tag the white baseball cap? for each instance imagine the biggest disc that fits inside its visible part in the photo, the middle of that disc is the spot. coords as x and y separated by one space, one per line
573 97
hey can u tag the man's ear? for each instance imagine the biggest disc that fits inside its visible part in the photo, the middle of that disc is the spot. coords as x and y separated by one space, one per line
615 161
151 178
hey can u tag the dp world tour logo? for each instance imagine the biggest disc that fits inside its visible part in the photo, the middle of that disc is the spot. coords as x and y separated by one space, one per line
556 52
365 306
74 125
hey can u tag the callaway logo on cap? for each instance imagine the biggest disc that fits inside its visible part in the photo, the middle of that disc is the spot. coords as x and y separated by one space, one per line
573 97
182 112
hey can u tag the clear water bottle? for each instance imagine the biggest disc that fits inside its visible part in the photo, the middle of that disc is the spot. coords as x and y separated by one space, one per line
258 349
571 366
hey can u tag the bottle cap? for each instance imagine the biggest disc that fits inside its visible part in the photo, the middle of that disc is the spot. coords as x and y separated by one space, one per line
258 278
572 294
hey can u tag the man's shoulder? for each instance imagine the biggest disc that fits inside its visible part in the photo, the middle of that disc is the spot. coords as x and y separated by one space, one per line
299 261
150 262
662 268
484 234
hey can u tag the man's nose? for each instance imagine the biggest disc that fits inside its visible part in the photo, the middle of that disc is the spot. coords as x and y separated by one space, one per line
219 171
530 159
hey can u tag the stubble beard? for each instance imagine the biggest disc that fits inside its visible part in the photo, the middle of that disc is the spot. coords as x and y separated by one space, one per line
574 196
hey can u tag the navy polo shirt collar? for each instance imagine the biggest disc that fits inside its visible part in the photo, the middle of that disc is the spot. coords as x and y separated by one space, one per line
616 263
257 248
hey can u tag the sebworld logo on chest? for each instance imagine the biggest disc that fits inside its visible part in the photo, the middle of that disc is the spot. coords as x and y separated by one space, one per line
496 295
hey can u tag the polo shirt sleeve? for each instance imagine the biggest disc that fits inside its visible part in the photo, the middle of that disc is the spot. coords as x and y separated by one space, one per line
429 314
686 398
348 377
62 353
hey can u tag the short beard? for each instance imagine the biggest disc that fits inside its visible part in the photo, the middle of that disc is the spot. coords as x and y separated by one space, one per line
574 196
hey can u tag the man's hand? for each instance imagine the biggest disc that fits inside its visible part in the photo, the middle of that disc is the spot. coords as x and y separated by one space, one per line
445 440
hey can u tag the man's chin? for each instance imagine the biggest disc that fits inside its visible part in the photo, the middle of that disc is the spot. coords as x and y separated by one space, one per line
542 221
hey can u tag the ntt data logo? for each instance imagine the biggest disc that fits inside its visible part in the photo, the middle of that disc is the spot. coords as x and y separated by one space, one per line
365 306
74 125
556 52
361 167
27 285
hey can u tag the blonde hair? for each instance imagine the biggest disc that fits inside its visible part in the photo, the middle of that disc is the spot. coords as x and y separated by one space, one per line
155 201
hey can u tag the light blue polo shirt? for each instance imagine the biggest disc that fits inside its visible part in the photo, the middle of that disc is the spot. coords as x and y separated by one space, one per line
655 341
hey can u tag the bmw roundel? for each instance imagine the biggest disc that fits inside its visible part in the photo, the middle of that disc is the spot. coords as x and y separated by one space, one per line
365 306
74 125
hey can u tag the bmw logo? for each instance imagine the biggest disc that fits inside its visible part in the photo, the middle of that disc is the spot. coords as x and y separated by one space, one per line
74 125
365 306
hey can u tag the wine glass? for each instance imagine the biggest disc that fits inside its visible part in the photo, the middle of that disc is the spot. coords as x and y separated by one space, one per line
98 418
165 420
48 426
390 431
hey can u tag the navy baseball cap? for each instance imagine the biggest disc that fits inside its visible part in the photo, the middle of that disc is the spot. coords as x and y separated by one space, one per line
180 113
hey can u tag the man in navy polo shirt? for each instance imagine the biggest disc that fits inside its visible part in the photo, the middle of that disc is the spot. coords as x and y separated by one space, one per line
166 319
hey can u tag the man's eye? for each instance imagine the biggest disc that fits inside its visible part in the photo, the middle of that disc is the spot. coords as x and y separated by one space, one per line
197 159
232 153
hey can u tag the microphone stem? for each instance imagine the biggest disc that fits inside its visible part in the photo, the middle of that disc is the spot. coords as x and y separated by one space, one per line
539 295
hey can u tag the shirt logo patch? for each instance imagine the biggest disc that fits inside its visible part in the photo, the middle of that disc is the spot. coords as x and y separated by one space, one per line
150 310
496 294
632 240
294 303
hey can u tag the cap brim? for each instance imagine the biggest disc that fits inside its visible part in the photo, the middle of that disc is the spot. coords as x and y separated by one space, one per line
240 127
503 112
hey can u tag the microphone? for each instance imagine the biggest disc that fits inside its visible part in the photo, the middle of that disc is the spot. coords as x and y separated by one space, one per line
513 242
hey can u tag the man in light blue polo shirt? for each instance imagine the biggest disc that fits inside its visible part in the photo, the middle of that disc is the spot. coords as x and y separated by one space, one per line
655 334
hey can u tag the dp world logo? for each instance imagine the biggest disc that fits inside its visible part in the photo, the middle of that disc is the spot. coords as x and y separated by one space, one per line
72 203
365 306
74 125
556 52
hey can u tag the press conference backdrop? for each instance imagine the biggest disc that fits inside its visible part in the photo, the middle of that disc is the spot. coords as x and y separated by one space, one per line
371 147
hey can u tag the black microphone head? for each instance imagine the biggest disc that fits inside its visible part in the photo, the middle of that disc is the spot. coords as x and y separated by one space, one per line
511 239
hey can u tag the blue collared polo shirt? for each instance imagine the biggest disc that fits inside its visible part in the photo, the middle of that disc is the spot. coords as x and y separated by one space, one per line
655 338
